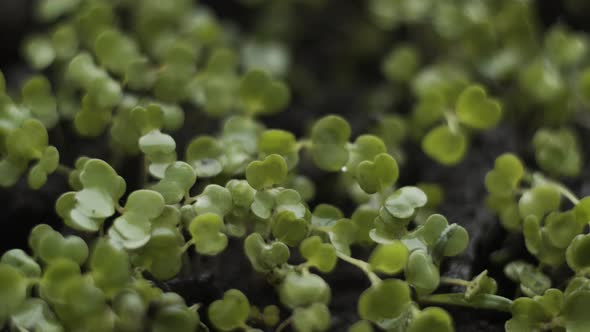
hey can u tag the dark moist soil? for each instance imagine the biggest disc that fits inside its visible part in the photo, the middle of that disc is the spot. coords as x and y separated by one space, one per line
208 278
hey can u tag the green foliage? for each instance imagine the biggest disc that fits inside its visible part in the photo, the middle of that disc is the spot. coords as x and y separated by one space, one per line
476 110
384 302
315 318
558 152
230 312
206 232
445 145
329 138
266 173
260 94
301 290
145 75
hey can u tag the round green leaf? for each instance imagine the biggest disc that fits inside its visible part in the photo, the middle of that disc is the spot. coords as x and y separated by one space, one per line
318 254
303 290
476 109
444 145
404 202
231 312
383 301
375 176
264 257
206 232
315 318
266 173
577 253
329 137
432 319
421 272
389 258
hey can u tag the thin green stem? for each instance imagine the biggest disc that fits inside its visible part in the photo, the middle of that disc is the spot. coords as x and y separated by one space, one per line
64 170
364 266
567 193
187 245
284 324
454 281
304 143
481 301
563 190
452 121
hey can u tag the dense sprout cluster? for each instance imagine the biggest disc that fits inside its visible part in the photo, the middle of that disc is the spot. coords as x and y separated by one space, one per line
133 72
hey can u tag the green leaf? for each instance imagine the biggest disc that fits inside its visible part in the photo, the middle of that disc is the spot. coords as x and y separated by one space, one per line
574 311
13 290
38 98
214 199
329 138
263 204
35 315
56 277
65 41
28 141
477 110
231 312
206 232
49 160
361 326
133 227
139 74
506 176
400 63
561 228
558 152
50 245
481 284
365 147
288 228
384 301
265 257
110 267
318 254
276 141
39 52
389 258
115 51
432 319
576 254
155 142
325 215
302 290
179 177
37 177
261 94
377 175
242 194
174 315
342 234
539 200
532 281
404 202
582 211
421 272
445 145
49 10
266 173
315 318
204 154
17 258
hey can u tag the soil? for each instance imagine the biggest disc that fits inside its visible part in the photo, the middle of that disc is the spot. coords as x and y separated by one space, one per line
23 208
